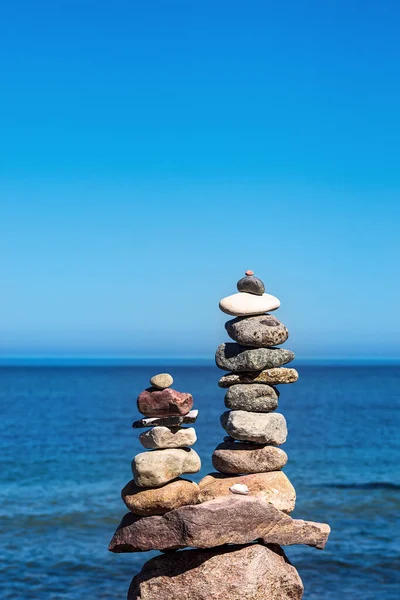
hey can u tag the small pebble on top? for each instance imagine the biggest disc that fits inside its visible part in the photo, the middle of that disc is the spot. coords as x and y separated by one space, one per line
251 284
161 381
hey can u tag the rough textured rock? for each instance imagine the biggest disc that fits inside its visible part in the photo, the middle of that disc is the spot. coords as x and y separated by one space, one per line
259 332
161 381
252 572
157 501
235 458
160 403
234 520
243 304
253 398
166 437
251 284
172 421
269 377
274 487
233 357
157 467
262 428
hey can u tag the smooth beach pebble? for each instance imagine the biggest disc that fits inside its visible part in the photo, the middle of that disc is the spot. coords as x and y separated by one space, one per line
158 501
254 398
251 284
166 437
234 357
161 381
155 468
260 331
243 304
237 458
262 428
239 488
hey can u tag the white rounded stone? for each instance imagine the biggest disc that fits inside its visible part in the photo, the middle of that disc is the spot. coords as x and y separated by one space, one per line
239 488
243 304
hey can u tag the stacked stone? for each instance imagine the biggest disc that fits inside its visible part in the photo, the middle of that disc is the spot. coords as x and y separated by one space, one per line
156 487
237 519
255 431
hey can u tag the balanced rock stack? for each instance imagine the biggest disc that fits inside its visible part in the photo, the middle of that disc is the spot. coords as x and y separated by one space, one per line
237 519
156 487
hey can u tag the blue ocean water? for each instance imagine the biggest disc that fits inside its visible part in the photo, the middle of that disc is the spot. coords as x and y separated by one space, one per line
66 444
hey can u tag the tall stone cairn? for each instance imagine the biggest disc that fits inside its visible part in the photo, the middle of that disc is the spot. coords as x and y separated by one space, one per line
237 519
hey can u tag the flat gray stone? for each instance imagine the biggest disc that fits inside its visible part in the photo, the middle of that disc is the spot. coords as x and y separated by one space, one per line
261 331
234 357
262 428
236 458
253 398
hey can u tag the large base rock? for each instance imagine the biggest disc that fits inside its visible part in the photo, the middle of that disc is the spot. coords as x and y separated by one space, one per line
252 572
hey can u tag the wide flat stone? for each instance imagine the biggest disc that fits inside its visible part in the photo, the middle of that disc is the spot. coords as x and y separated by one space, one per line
234 520
172 421
258 332
161 403
269 377
262 428
236 457
251 572
161 381
274 487
244 304
253 398
157 501
234 357
167 437
157 467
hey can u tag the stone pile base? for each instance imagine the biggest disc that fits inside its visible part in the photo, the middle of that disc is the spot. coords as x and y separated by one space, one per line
251 572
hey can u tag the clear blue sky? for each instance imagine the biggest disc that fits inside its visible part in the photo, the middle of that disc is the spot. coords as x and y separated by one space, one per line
150 152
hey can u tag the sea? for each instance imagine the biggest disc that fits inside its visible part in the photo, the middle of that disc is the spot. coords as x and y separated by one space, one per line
66 444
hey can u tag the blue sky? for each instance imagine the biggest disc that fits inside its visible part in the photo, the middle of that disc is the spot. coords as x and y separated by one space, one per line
151 152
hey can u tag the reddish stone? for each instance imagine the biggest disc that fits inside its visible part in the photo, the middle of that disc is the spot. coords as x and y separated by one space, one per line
161 403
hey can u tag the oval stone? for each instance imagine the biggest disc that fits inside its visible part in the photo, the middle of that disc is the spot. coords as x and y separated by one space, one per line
166 437
159 403
251 284
236 458
157 467
234 357
262 428
158 501
161 381
253 398
260 331
244 304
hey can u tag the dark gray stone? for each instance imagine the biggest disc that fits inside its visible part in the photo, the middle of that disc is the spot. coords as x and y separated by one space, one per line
251 284
173 421
234 357
260 331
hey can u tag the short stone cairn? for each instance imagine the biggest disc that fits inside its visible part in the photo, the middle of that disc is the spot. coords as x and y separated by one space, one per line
238 518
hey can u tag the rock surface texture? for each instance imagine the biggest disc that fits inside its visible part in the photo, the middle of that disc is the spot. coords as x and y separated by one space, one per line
167 437
158 501
254 398
273 487
160 403
253 572
259 331
268 377
209 525
234 357
261 428
155 468
235 458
